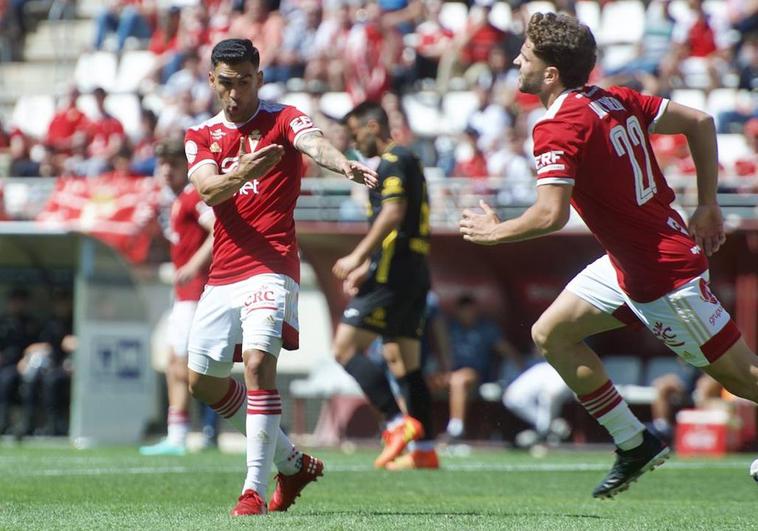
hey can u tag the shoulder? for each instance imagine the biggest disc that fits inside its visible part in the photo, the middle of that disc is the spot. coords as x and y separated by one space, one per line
201 130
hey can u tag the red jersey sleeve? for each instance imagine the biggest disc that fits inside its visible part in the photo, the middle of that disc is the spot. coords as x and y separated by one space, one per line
197 149
556 148
648 108
295 123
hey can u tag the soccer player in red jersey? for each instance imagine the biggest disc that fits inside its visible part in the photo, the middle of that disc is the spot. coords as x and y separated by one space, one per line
246 162
592 149
189 233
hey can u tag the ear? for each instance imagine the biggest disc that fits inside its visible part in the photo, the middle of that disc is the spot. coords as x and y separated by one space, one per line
259 78
552 75
211 78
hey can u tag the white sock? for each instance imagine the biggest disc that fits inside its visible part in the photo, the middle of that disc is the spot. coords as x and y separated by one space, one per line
287 458
178 426
264 412
421 446
455 427
395 421
230 406
610 410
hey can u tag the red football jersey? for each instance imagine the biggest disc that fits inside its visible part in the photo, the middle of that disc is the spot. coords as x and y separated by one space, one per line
186 236
598 141
254 231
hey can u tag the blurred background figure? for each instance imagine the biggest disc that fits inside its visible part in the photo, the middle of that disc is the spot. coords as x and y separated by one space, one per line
537 396
18 329
46 370
477 346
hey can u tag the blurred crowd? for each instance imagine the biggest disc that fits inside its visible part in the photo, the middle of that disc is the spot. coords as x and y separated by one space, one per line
384 50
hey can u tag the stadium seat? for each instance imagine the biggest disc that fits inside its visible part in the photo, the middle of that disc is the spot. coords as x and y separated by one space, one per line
621 22
96 69
423 114
453 15
691 97
134 67
32 114
588 12
616 55
300 100
456 109
623 370
657 367
336 104
721 99
731 148
500 16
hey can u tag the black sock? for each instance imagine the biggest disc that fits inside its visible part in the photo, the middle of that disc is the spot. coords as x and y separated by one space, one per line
418 400
374 384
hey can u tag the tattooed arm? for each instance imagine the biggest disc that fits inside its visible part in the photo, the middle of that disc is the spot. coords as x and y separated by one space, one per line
326 155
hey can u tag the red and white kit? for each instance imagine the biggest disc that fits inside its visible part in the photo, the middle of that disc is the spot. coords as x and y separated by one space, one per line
255 272
598 141
189 217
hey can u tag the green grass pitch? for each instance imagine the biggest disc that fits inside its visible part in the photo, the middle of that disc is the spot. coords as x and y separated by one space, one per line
44 487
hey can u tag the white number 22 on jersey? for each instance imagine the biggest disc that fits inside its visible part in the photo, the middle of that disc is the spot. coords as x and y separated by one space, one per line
623 138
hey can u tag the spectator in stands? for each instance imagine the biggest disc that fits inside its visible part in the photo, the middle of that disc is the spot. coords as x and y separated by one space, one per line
179 115
298 43
120 165
537 396
192 78
127 18
475 341
265 27
748 64
470 161
17 331
105 135
22 164
143 159
46 369
164 44
400 15
371 52
470 50
433 41
69 125
747 166
509 161
489 120
327 67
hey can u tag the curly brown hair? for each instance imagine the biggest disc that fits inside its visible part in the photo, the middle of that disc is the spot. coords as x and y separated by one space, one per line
565 43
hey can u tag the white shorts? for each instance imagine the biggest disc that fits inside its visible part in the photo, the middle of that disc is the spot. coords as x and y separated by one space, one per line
179 325
258 313
689 320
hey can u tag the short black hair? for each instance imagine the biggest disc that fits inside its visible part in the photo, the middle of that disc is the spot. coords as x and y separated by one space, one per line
234 52
369 110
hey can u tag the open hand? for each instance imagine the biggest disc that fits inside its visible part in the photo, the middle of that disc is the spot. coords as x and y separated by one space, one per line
360 173
479 228
257 164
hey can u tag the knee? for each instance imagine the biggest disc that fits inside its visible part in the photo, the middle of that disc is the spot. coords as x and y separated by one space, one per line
195 384
343 352
551 338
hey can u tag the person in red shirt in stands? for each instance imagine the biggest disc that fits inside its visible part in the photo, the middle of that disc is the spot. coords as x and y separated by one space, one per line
105 135
69 125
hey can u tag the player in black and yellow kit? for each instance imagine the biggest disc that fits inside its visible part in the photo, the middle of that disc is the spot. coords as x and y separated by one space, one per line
387 276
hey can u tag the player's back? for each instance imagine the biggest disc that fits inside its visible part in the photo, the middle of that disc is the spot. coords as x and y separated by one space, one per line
598 140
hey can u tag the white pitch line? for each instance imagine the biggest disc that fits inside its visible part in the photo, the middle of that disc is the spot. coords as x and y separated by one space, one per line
457 467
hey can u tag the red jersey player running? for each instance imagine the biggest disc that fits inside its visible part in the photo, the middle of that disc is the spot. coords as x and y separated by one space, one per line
246 162
593 151
190 225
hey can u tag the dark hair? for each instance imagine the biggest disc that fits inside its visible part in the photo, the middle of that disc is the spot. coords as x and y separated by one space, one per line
170 148
234 52
369 110
565 43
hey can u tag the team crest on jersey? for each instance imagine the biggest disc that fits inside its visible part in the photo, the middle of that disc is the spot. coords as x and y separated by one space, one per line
217 134
215 148
705 292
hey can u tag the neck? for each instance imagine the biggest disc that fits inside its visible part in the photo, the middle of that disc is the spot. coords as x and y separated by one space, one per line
384 144
550 95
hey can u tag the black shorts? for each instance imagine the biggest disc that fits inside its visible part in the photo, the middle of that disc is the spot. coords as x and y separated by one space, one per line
390 310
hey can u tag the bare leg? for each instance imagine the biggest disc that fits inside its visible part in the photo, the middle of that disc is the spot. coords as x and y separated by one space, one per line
737 370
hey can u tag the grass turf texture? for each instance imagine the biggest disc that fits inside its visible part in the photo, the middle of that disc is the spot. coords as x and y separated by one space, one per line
44 487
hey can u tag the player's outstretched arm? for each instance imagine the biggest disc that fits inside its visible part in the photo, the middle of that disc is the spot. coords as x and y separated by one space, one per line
549 213
216 188
706 224
317 147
